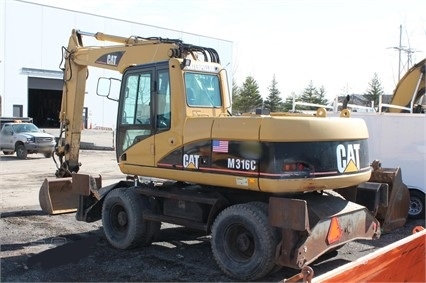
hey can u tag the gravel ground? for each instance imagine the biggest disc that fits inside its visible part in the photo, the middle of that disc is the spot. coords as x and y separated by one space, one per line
40 248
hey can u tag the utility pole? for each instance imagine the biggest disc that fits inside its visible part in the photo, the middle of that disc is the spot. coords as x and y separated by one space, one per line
399 52
401 49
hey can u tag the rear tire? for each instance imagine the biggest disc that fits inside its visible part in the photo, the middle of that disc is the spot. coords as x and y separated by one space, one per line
122 219
243 242
47 154
21 151
277 235
417 205
5 152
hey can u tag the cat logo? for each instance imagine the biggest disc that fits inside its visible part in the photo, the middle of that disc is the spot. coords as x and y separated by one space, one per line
348 158
111 59
190 161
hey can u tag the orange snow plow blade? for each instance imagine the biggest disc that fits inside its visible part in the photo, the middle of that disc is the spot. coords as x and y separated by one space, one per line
402 261
59 196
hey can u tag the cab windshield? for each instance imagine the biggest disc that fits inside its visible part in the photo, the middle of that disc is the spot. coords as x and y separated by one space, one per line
202 90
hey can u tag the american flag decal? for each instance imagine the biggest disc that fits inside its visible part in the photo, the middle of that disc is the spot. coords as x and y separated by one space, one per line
220 146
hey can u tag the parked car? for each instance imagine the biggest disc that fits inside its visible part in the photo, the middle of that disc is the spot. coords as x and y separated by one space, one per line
25 138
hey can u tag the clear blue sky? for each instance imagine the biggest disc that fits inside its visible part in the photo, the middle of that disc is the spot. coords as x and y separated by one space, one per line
338 44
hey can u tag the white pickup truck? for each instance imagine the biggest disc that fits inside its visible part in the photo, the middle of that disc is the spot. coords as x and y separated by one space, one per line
24 138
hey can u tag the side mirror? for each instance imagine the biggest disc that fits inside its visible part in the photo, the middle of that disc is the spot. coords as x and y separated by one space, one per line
109 88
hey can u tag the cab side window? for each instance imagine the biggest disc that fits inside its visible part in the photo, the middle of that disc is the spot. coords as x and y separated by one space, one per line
137 103
163 100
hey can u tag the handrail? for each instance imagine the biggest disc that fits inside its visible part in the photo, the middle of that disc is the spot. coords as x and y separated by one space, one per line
332 107
352 106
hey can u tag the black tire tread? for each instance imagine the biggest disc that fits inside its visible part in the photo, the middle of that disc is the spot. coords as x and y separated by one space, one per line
21 151
140 232
255 215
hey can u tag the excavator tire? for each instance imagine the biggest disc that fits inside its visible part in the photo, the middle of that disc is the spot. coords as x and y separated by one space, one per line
243 242
122 219
277 235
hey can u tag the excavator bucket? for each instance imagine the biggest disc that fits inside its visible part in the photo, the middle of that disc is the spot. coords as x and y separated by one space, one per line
59 196
56 196
385 195
393 212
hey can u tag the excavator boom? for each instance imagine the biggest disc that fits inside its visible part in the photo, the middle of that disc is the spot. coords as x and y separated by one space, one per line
410 89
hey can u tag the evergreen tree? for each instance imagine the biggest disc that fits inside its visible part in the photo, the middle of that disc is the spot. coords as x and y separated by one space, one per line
273 102
374 91
249 97
235 97
312 95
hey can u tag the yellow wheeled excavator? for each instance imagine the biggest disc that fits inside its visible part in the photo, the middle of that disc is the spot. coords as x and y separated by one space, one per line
263 186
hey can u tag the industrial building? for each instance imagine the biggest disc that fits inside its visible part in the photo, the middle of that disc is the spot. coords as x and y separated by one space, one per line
32 37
